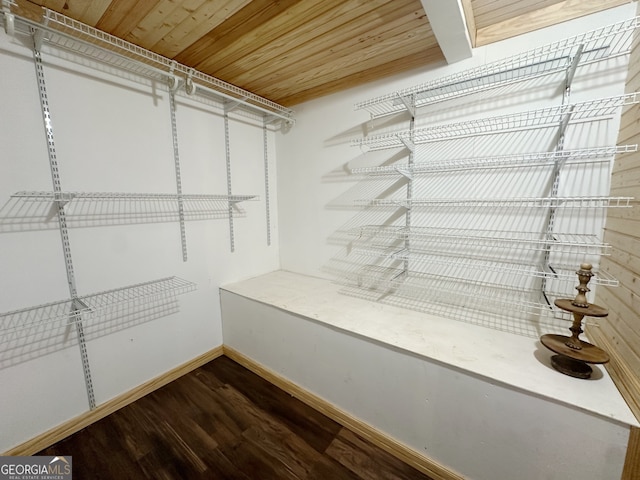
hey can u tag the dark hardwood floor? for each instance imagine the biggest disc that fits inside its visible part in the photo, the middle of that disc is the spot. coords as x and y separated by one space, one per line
222 421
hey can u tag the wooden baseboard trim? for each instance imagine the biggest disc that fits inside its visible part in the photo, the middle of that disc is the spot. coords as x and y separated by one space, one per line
69 427
632 462
378 438
622 374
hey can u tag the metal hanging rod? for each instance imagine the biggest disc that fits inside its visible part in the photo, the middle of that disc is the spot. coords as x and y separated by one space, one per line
544 117
69 34
541 159
84 307
450 237
606 42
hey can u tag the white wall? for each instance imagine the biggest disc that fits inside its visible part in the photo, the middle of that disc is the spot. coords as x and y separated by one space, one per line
317 192
113 134
476 427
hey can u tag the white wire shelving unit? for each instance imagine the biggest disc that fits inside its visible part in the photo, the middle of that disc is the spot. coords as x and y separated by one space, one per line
79 38
444 265
144 301
478 294
549 117
539 159
88 307
606 42
144 206
528 202
452 239
449 238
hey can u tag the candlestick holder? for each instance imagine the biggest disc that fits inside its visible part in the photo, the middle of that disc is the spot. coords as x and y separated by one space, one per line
573 354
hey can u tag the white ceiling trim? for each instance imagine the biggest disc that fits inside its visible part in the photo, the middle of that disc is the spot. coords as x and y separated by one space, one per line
449 27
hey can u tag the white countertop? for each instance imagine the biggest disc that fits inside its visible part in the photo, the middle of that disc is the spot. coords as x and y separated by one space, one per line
515 361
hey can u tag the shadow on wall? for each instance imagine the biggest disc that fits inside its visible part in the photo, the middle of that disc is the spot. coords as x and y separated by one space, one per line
486 226
37 331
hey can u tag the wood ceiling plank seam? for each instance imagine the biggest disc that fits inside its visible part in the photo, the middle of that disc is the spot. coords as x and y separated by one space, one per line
410 62
280 24
377 53
545 17
93 11
137 13
513 11
370 57
113 15
321 35
161 20
57 5
297 50
229 31
276 71
200 22
27 9
76 9
487 8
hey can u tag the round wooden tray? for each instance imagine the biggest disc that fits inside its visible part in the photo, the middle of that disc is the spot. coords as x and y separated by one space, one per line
588 353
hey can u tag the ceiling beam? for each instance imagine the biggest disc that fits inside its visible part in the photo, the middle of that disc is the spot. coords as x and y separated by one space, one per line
448 23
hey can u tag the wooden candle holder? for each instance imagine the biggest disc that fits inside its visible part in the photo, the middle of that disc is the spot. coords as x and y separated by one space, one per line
573 354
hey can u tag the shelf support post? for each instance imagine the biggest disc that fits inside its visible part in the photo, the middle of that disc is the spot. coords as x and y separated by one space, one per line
559 162
227 148
176 161
265 146
410 146
62 222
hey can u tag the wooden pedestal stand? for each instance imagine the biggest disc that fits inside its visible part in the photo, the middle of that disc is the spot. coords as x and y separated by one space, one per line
573 354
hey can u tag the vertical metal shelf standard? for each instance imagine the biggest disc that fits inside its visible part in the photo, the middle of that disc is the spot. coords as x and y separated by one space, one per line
77 306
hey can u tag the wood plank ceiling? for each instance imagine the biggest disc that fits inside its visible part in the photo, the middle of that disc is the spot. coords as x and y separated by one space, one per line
291 51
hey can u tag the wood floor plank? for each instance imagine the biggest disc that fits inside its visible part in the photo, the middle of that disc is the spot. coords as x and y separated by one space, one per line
317 429
367 461
222 421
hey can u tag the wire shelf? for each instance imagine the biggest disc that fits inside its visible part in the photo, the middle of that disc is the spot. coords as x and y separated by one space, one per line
544 117
528 202
540 159
77 37
482 271
87 307
97 196
452 237
427 288
606 42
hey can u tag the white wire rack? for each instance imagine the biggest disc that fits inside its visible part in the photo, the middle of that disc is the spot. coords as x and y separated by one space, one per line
540 118
97 196
131 207
476 294
88 306
528 202
540 159
77 37
606 42
482 271
453 237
